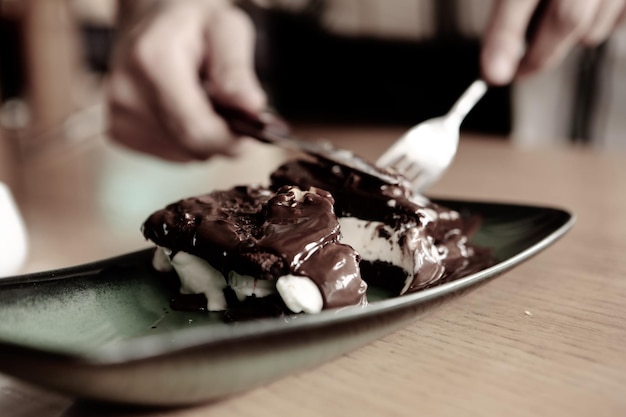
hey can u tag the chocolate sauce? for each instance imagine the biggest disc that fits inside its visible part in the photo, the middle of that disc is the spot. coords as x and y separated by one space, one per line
270 232
395 205
256 232
305 231
355 195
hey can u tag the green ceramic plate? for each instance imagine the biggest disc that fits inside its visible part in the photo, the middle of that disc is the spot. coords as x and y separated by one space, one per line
105 330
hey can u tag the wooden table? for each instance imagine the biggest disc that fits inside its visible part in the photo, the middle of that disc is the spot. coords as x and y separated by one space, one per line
546 339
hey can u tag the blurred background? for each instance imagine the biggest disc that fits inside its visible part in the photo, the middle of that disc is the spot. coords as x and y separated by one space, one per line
344 62
374 61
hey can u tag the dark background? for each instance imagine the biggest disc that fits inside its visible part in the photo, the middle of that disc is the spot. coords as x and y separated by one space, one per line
313 75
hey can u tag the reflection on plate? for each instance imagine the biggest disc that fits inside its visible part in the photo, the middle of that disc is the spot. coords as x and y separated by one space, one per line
105 330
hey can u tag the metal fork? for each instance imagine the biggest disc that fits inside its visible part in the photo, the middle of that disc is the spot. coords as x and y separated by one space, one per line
425 151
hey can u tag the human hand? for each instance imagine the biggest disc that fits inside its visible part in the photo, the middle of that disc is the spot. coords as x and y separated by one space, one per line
562 25
170 58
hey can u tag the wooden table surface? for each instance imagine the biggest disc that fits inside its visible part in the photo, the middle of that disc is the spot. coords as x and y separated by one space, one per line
546 339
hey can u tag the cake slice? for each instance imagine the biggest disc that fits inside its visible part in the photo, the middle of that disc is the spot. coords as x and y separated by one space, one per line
255 243
314 239
406 242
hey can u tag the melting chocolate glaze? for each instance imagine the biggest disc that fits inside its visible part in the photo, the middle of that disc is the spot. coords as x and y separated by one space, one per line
270 232
368 198
364 197
256 232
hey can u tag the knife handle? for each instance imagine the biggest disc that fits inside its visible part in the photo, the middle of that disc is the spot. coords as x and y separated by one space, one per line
265 126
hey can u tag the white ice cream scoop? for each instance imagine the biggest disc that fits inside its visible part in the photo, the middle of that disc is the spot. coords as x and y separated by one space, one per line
13 239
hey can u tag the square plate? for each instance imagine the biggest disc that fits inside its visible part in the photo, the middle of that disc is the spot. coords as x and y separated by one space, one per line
105 330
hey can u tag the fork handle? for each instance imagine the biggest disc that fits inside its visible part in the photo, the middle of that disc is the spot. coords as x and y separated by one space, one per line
468 100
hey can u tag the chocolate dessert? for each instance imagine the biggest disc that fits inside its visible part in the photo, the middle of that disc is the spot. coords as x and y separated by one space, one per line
406 242
254 242
314 239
